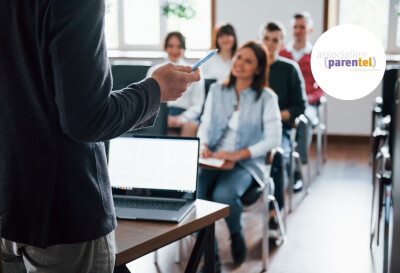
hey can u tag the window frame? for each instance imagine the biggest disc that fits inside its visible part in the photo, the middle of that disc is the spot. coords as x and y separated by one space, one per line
331 19
163 31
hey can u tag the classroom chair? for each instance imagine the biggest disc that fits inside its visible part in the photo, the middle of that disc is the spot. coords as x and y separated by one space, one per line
321 132
250 197
125 72
300 123
266 193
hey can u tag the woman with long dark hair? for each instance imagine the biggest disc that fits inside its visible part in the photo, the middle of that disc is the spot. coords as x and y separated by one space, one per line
224 39
241 123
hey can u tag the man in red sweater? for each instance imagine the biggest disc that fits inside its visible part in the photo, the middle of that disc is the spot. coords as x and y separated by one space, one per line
299 50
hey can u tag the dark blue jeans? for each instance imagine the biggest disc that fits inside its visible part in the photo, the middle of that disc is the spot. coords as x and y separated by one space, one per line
226 187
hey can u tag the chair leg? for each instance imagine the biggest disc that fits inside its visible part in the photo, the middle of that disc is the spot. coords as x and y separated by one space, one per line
380 204
319 147
178 251
325 129
325 145
376 155
279 216
388 199
285 203
373 223
291 181
372 139
265 237
178 246
307 179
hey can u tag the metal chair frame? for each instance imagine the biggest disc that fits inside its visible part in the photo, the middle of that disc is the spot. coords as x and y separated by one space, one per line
322 134
295 158
382 189
266 193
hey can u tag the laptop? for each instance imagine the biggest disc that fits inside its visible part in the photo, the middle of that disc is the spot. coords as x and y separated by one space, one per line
153 177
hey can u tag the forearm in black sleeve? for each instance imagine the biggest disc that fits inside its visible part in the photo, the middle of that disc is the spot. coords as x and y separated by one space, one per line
88 110
297 97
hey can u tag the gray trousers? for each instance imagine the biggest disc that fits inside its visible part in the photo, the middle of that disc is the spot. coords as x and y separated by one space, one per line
87 257
303 142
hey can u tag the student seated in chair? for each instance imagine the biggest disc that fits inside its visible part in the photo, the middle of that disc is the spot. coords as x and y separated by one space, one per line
225 41
299 50
241 123
185 111
286 80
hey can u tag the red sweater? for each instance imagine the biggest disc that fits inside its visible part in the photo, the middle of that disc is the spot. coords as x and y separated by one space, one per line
314 92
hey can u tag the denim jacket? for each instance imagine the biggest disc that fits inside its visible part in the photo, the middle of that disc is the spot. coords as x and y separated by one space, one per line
260 126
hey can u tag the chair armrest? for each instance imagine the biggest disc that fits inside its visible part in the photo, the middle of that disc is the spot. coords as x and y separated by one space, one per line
385 122
378 102
377 105
387 160
323 100
297 120
271 154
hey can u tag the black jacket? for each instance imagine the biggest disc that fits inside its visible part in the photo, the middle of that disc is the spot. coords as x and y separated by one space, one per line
286 80
55 105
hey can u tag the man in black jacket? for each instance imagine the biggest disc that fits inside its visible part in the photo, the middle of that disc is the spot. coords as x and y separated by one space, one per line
286 80
55 108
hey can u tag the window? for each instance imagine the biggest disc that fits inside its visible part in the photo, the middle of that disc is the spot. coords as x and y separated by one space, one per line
371 14
142 25
111 25
397 8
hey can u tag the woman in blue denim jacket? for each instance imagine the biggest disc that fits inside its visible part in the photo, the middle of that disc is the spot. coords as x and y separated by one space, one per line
241 123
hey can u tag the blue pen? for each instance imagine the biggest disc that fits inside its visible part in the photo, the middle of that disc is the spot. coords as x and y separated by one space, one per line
212 53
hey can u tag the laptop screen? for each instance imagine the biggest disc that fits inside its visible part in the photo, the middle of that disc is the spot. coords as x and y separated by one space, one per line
154 166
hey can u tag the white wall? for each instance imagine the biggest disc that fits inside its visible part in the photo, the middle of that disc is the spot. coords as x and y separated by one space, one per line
344 117
247 16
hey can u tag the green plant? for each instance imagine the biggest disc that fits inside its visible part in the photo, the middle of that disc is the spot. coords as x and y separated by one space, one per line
180 8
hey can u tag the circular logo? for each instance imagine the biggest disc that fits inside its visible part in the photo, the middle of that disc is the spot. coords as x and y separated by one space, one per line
348 62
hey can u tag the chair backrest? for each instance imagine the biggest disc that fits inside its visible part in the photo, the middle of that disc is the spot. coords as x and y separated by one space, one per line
255 190
388 89
126 72
207 84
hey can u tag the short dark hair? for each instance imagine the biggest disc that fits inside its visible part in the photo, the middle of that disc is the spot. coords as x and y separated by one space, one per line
226 29
306 16
176 34
274 26
260 80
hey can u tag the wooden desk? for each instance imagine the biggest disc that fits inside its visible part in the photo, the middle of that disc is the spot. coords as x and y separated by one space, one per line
138 238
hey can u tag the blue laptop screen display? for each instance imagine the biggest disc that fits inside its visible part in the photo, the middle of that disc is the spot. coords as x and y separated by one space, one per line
166 164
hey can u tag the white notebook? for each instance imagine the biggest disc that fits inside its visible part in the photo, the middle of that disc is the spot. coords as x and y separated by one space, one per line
213 162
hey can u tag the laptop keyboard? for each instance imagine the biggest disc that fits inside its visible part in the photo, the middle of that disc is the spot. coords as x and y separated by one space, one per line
148 204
